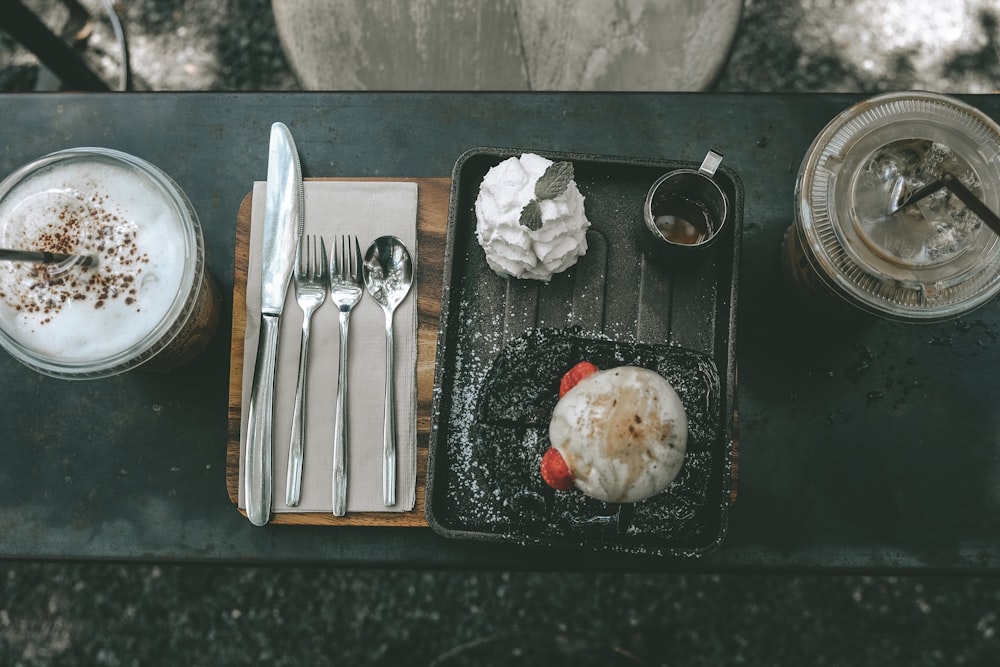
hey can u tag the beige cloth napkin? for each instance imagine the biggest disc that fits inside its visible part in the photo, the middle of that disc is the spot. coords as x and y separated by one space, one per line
367 210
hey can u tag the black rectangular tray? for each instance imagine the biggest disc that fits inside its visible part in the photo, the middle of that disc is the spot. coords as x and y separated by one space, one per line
616 302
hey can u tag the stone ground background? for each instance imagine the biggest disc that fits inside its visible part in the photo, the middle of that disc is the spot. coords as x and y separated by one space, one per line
145 614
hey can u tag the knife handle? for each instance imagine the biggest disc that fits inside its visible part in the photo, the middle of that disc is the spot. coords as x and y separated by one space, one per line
257 470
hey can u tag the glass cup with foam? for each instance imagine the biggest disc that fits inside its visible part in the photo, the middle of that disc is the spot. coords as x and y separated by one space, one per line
147 302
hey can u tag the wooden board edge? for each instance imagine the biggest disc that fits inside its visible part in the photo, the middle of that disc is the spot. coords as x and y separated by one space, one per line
433 198
238 332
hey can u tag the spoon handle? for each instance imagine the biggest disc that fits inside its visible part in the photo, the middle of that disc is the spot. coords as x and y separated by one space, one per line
389 425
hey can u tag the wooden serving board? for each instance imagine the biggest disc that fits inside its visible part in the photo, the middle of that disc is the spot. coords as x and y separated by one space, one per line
432 222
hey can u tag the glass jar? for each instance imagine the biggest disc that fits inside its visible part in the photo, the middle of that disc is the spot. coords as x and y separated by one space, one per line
148 300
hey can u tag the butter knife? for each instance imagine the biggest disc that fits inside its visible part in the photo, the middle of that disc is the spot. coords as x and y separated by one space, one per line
283 219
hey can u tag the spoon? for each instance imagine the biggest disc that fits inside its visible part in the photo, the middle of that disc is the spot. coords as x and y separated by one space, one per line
388 272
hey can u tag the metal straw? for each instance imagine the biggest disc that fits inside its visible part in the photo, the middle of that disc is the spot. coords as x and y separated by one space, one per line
41 257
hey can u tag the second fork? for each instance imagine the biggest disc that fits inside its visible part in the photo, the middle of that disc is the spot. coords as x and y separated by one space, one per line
345 292
310 278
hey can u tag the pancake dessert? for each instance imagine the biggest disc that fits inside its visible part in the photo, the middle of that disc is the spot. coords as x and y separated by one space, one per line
530 218
617 435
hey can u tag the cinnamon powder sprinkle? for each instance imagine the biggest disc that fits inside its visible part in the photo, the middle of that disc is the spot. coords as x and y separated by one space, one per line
45 289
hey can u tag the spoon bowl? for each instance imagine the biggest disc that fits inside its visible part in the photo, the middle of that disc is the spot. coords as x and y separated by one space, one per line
388 271
388 274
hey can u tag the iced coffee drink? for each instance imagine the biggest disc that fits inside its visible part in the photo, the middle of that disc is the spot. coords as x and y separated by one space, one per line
859 247
147 300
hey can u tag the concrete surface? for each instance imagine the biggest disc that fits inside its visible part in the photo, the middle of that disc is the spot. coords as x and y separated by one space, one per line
104 614
781 46
402 44
507 44
867 46
145 614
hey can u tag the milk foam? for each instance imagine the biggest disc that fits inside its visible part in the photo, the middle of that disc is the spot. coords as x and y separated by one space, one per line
84 315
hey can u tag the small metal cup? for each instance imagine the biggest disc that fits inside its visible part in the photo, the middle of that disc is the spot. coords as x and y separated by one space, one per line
685 211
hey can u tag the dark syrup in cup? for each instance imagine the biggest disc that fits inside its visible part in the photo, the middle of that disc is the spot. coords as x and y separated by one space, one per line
684 211
681 219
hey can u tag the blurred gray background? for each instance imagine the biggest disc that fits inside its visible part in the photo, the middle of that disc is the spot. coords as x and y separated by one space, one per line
99 613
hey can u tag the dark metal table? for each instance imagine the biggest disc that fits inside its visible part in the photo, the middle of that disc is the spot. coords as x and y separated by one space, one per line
873 450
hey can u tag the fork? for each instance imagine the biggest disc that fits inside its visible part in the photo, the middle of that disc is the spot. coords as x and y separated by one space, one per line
310 280
345 291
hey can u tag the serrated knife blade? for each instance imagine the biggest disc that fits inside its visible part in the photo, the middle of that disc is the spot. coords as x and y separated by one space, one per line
283 219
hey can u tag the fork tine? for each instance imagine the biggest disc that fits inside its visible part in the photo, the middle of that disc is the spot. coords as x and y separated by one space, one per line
345 272
313 256
348 264
322 260
334 263
345 259
357 262
298 258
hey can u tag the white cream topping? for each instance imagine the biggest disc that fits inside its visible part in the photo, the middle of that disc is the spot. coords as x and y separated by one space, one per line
622 432
514 249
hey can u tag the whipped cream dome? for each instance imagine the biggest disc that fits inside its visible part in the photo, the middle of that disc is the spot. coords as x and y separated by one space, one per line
514 249
76 314
622 433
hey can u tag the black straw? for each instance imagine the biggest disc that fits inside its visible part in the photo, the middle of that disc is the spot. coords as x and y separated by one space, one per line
41 257
955 186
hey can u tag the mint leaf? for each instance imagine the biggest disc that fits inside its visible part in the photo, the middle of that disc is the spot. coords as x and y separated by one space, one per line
554 181
531 215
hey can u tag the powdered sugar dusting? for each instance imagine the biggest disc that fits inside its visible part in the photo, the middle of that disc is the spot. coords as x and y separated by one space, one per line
498 432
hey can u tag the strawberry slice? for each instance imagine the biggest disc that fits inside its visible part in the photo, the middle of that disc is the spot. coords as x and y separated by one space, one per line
555 472
574 375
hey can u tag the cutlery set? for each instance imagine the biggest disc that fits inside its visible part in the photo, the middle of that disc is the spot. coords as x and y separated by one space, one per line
291 258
